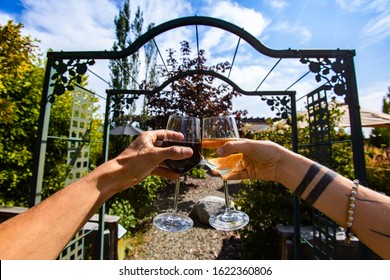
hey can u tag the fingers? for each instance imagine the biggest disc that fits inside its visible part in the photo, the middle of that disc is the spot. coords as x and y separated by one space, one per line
237 175
164 172
175 152
234 147
163 134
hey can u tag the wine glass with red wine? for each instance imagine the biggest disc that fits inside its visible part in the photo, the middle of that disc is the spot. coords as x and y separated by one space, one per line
190 128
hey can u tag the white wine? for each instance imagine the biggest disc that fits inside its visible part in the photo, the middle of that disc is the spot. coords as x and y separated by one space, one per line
222 165
217 131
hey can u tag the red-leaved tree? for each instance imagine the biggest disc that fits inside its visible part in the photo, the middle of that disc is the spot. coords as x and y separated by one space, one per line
193 95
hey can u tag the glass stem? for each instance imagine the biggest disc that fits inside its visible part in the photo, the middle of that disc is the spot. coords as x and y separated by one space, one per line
176 198
227 199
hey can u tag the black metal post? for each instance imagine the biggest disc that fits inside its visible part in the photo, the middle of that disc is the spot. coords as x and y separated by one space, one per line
352 100
41 140
102 210
297 211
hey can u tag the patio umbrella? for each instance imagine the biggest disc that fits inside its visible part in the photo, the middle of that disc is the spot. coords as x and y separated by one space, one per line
368 118
126 130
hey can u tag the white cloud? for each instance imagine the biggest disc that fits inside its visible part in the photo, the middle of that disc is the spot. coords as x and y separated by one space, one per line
363 6
371 97
296 30
377 29
84 25
216 40
4 18
249 19
277 5
352 5
70 25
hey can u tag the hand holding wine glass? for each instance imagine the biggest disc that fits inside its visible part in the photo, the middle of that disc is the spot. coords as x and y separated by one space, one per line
216 132
190 128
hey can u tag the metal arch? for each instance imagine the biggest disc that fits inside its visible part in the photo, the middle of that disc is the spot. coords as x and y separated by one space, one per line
345 55
199 72
208 21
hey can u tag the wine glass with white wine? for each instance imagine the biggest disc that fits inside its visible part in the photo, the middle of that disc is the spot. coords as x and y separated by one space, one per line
217 131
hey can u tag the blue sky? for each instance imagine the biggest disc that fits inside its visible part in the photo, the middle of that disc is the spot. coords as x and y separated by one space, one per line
362 25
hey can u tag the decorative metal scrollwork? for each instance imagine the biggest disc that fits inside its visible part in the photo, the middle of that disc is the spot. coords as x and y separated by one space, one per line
67 74
120 103
323 67
280 104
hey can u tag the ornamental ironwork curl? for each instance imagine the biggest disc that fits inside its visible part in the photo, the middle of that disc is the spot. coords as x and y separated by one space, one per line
333 71
119 103
67 74
280 104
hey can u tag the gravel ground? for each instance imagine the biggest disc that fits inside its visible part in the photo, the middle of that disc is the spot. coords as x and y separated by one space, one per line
202 242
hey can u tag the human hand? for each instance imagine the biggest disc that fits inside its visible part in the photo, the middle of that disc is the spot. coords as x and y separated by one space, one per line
260 159
144 157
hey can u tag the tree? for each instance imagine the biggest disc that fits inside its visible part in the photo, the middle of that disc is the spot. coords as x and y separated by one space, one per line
195 95
21 79
125 71
21 83
120 75
380 137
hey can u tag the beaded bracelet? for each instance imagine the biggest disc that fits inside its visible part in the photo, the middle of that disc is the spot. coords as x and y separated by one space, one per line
351 205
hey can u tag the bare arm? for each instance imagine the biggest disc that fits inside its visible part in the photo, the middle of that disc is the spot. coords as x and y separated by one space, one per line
44 230
328 191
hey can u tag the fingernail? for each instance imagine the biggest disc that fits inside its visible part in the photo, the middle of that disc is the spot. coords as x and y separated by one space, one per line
187 151
219 151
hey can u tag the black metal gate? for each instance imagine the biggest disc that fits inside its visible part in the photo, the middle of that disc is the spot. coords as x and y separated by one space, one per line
335 68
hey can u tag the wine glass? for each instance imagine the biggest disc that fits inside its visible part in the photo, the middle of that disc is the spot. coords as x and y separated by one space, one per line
190 128
216 132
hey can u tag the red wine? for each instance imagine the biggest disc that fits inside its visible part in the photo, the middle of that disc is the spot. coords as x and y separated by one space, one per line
184 165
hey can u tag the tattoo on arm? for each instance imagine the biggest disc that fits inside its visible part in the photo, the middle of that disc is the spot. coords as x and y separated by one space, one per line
380 233
373 230
320 187
311 173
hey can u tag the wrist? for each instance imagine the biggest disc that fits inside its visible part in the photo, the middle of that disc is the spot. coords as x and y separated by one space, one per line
291 168
110 178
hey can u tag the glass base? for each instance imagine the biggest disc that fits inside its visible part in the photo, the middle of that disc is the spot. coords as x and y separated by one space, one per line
231 220
173 222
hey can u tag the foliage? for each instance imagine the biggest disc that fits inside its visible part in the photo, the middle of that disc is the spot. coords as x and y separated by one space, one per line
268 203
198 172
21 79
380 136
67 75
125 71
56 153
17 53
21 83
378 168
134 205
194 95
122 208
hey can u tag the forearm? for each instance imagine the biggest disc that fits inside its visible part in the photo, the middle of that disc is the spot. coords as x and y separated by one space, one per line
44 230
329 193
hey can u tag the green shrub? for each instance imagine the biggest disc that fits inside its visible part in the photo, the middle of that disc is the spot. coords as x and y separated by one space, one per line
122 208
378 169
267 204
134 205
198 172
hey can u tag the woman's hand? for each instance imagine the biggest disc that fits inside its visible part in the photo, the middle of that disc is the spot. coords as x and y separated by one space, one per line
260 159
